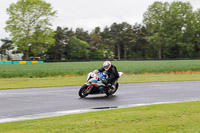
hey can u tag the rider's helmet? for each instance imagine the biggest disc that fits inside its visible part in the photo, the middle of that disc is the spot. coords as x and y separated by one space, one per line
107 65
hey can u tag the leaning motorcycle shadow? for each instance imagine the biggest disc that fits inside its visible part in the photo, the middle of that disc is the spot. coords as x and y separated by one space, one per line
103 97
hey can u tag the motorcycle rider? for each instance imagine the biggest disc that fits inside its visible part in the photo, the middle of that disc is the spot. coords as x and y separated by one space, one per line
112 73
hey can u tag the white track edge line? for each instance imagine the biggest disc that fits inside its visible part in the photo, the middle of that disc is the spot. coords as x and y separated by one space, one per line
62 113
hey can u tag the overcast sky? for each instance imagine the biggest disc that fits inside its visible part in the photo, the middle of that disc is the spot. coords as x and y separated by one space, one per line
88 14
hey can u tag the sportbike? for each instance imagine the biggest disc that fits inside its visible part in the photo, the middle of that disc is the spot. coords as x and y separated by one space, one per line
94 85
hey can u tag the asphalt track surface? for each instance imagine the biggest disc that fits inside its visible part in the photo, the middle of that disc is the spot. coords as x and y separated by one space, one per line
22 102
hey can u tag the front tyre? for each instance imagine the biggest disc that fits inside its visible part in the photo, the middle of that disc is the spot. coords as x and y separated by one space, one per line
83 91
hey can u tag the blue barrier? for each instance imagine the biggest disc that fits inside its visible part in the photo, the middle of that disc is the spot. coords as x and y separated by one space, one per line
15 62
7 62
28 62
40 61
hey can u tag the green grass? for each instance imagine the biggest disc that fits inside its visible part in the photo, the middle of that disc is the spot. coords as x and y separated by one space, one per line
165 118
13 83
81 68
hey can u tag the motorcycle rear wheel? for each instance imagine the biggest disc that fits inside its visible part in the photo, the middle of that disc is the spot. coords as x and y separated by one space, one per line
116 87
83 91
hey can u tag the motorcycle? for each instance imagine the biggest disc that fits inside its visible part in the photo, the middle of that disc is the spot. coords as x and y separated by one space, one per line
95 85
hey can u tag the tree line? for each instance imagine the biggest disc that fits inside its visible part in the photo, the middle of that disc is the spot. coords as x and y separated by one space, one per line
169 30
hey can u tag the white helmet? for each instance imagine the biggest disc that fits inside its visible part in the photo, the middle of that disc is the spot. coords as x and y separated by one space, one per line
107 65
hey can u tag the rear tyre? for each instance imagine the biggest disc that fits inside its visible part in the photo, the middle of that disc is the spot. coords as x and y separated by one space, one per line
116 87
113 91
83 91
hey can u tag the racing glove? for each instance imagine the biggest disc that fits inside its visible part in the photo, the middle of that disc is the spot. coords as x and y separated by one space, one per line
96 71
104 81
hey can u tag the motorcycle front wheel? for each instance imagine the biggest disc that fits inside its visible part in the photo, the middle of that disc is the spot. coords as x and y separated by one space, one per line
83 91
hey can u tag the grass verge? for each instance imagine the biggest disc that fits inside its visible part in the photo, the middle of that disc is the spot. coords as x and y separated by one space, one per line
164 118
15 83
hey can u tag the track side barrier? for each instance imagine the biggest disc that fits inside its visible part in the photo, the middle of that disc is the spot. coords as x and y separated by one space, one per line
20 62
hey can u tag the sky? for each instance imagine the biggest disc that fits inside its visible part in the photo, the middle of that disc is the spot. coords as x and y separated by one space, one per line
88 14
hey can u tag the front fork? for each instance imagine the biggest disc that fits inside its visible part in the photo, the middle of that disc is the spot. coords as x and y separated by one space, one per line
89 88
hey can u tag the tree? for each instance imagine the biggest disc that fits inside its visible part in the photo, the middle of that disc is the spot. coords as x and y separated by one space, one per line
77 49
57 51
171 29
82 35
154 19
139 49
6 46
25 17
180 26
127 37
116 37
96 45
41 40
196 39
98 48
121 38
108 42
